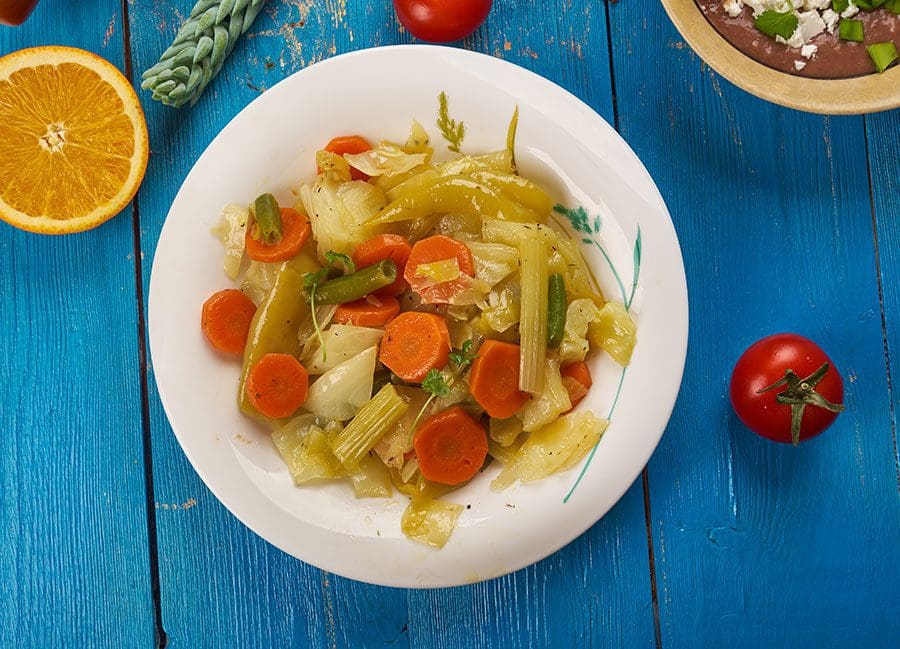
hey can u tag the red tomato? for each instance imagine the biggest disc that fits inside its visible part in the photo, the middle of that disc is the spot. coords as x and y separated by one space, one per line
442 21
785 388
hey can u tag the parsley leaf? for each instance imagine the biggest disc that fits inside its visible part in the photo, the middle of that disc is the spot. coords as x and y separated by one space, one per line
453 131
775 23
334 257
464 357
435 384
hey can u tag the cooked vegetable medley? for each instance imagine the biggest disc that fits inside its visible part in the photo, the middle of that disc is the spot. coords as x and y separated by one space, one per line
409 320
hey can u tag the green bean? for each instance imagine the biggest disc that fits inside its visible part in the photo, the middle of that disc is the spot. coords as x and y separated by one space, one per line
556 310
357 285
268 218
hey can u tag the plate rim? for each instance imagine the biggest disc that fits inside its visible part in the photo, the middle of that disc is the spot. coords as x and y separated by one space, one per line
679 359
870 93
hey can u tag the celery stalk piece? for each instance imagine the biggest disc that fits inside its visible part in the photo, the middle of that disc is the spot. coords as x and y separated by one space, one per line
372 421
533 251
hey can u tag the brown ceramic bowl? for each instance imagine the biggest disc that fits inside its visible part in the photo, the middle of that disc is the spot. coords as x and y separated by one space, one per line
865 94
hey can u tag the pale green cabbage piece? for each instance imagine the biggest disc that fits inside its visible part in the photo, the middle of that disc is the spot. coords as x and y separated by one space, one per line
342 390
429 521
574 345
339 212
385 160
502 311
231 231
552 401
615 332
259 280
342 342
554 447
371 479
303 443
494 262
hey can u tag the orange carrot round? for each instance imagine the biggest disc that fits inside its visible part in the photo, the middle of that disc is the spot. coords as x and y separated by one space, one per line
295 230
450 447
579 380
350 144
415 343
277 385
371 311
494 379
385 246
226 319
432 249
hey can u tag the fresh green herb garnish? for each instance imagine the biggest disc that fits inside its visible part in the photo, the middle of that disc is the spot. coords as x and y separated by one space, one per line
839 6
776 23
851 30
882 55
893 5
435 384
453 131
311 282
464 357
865 5
511 138
438 384
334 257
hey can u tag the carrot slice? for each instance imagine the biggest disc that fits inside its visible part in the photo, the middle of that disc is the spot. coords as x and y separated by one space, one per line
450 447
350 144
494 379
295 230
226 320
432 249
370 311
579 380
277 385
385 246
415 343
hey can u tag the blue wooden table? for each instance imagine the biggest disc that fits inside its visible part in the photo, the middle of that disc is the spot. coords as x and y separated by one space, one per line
788 221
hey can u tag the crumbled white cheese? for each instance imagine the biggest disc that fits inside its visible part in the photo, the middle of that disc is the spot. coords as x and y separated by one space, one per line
799 65
734 7
809 25
830 18
816 4
808 51
850 11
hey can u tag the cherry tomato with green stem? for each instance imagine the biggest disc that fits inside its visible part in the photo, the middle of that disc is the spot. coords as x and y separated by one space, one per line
442 21
786 389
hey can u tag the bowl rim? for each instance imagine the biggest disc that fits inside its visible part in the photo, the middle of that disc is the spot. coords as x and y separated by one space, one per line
854 96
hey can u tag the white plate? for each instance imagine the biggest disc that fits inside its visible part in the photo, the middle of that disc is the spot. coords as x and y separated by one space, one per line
561 142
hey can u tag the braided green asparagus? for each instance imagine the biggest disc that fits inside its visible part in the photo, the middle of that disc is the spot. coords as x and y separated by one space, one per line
199 50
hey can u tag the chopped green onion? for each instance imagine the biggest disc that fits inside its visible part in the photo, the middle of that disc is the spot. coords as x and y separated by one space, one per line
893 5
882 55
865 5
877 3
839 6
851 30
268 218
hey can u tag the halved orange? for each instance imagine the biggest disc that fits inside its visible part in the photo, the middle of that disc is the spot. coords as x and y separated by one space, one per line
73 140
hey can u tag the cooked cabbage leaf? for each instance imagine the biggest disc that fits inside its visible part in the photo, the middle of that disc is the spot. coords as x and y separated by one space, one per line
339 212
558 445
550 403
342 342
231 231
615 332
385 160
304 444
579 315
341 391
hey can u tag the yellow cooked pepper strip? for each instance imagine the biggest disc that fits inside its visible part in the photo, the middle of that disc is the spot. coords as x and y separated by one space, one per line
454 194
519 189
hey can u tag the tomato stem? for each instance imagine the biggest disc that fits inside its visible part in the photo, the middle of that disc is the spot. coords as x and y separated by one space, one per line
800 393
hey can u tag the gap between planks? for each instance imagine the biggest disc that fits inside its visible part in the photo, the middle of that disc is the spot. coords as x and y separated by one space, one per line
159 634
645 482
879 279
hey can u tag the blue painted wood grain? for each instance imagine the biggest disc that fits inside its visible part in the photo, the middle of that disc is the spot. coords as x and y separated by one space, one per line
204 549
73 536
758 544
883 137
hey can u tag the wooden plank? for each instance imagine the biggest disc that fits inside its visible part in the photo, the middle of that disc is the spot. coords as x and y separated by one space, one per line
203 549
883 139
759 544
73 535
